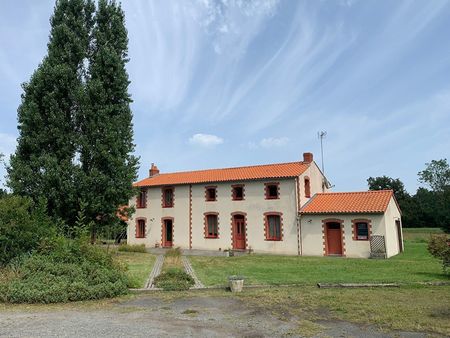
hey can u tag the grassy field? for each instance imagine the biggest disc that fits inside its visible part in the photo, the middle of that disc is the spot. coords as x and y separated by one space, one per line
413 265
410 308
139 266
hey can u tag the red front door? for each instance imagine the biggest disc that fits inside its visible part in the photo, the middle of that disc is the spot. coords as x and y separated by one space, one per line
167 232
334 239
239 232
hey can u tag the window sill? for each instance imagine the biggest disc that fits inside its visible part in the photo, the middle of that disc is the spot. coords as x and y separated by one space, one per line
237 199
212 237
274 239
272 198
167 206
361 239
210 200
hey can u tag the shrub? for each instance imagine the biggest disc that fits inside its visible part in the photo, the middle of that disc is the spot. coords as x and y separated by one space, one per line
174 280
61 271
132 248
23 225
438 246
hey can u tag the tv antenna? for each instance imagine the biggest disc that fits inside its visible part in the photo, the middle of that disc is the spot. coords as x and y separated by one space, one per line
321 135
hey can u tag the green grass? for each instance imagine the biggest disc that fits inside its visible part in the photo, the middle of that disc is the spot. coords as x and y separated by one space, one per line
139 267
412 266
420 235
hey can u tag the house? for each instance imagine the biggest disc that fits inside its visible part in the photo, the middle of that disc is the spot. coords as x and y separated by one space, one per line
282 208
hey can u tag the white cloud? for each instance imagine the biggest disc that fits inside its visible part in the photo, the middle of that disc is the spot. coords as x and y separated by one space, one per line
271 142
205 140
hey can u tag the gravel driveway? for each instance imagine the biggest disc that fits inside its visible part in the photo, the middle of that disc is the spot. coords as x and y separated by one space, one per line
150 316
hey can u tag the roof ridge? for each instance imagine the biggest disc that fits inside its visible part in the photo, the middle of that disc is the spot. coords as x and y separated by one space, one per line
354 192
229 168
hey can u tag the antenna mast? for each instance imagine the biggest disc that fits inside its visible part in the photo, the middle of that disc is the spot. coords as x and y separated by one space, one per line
321 135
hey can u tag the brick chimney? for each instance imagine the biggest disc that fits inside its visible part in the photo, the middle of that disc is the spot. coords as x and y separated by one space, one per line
307 157
153 170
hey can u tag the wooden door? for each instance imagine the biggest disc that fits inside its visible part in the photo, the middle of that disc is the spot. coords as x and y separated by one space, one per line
334 239
239 232
167 233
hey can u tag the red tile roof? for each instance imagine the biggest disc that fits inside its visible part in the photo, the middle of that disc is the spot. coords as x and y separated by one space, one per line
278 170
348 202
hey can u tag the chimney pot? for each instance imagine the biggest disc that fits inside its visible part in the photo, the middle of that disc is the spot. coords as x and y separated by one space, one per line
153 170
307 157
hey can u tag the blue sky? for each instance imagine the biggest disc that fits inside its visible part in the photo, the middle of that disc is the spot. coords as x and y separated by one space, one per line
233 82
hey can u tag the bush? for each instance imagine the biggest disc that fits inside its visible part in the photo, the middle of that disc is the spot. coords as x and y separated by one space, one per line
23 225
61 271
438 246
132 248
174 280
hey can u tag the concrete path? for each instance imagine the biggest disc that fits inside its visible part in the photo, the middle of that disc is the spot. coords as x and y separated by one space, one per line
155 272
189 270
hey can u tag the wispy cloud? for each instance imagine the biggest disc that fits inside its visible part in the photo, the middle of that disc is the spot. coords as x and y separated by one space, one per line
205 140
271 142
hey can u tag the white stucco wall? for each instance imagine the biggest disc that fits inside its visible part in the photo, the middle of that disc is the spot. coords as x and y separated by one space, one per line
154 213
316 182
254 205
392 241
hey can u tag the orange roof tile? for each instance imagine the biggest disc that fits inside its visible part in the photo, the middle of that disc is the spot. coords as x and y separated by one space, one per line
348 202
279 170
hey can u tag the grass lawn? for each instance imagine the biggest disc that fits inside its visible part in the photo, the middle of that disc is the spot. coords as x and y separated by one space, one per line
413 265
139 266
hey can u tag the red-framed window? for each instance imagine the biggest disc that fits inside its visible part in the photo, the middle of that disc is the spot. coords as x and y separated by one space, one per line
211 225
273 226
361 230
307 187
168 197
141 201
140 228
211 194
237 192
272 190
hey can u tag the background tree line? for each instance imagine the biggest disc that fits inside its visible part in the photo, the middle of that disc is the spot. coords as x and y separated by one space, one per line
430 205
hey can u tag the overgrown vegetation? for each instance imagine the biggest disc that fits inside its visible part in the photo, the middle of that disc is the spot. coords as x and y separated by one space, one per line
23 225
439 247
132 248
173 277
62 270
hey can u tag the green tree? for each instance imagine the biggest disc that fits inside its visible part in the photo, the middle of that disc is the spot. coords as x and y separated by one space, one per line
435 203
436 175
44 163
388 183
106 147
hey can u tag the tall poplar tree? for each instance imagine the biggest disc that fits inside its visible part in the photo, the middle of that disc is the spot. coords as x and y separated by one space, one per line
106 147
44 164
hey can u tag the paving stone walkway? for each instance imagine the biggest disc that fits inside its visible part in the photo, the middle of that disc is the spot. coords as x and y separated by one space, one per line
188 267
155 272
